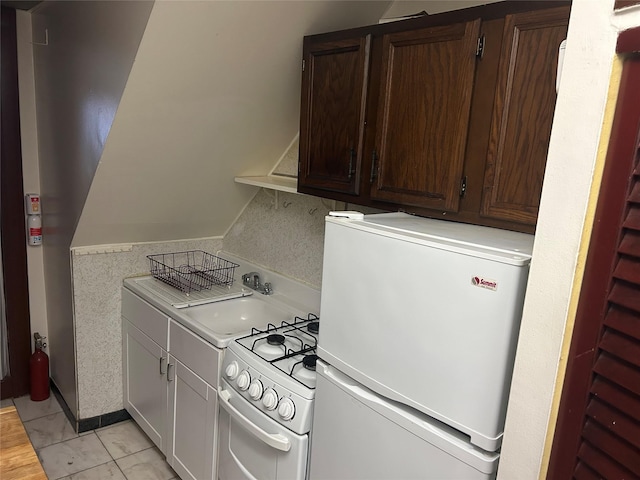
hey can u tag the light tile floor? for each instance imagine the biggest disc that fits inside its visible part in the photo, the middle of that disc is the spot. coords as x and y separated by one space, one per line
117 452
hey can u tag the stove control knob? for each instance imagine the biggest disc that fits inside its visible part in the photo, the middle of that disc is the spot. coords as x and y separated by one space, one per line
243 381
270 399
255 389
232 370
287 409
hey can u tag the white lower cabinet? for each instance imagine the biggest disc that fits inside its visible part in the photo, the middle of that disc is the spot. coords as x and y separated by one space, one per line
145 383
169 389
193 405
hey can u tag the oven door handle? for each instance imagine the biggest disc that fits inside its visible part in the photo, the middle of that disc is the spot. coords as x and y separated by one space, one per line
274 440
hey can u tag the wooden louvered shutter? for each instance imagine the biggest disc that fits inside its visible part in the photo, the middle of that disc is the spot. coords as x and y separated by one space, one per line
598 430
610 446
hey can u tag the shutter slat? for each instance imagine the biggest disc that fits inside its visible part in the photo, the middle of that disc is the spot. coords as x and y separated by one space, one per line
630 244
620 399
618 372
621 346
615 422
634 196
628 269
633 219
585 473
611 446
626 295
601 463
623 321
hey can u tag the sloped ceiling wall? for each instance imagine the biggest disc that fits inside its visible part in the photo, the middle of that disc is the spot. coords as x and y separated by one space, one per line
82 55
214 92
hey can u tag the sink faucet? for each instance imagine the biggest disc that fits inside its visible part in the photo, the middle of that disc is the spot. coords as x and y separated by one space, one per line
252 280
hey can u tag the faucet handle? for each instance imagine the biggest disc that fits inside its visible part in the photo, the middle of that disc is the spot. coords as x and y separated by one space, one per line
252 279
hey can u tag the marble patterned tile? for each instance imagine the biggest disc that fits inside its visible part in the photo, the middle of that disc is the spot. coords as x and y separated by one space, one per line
54 428
97 283
106 471
28 410
8 402
73 456
123 439
146 465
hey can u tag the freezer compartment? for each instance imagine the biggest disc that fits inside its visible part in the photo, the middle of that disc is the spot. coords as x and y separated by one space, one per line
359 435
422 322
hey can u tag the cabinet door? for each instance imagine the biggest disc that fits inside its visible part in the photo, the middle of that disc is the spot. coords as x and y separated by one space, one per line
522 115
145 383
423 115
334 90
193 406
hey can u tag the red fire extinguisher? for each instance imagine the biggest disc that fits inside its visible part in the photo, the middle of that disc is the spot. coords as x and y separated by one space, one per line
39 367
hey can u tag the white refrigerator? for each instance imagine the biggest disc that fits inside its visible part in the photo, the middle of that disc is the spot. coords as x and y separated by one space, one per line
419 321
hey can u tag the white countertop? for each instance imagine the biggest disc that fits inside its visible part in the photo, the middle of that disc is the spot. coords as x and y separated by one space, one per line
211 320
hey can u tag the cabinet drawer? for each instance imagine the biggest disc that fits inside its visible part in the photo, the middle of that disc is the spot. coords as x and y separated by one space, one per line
201 357
147 318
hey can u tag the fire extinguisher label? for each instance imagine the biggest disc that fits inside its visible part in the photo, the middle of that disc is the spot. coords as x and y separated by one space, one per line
34 227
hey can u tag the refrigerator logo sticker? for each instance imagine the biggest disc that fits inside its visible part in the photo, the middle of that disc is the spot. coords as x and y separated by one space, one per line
484 283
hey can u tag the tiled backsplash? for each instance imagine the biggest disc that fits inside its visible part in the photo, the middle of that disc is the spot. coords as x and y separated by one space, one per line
97 279
287 238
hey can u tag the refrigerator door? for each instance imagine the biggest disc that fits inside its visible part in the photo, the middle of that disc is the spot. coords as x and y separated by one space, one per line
358 435
430 321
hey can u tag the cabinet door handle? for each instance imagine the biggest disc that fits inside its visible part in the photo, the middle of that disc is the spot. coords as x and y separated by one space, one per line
171 372
374 161
352 156
163 368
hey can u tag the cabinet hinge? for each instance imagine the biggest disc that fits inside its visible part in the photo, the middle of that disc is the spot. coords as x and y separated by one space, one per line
303 63
463 186
480 46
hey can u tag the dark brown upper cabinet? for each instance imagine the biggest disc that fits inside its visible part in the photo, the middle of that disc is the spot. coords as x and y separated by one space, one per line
446 116
522 115
334 92
423 115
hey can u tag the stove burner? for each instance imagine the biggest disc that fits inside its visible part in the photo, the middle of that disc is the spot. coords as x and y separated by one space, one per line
275 339
309 362
314 327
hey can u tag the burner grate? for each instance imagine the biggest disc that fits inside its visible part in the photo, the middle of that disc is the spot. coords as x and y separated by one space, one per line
294 338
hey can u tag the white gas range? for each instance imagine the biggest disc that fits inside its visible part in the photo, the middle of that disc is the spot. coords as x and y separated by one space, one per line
266 394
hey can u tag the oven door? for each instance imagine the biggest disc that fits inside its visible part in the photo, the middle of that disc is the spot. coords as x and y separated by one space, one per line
253 446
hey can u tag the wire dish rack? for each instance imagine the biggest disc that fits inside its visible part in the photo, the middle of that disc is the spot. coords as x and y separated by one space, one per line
192 271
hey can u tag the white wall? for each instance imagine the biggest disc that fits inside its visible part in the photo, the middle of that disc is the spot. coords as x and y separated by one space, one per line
400 8
214 93
79 77
559 249
30 170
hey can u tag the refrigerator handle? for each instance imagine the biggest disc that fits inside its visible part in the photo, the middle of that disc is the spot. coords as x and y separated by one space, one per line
350 214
